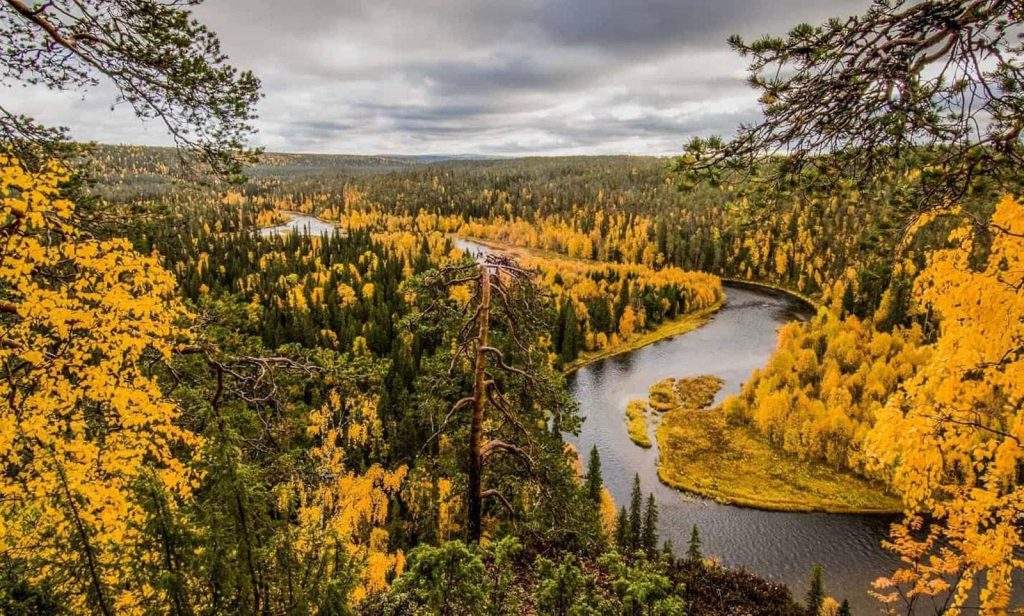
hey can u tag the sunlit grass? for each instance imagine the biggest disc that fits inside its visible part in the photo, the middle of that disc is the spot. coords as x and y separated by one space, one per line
700 452
636 422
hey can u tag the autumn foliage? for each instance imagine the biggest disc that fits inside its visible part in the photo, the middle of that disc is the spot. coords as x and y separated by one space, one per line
85 431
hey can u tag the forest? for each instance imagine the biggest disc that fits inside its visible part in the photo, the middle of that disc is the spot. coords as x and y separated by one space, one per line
208 410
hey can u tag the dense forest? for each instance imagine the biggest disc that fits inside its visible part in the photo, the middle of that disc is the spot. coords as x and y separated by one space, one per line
204 412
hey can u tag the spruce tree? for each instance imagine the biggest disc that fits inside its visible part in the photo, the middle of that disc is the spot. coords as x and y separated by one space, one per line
668 551
622 529
693 551
570 347
595 482
649 538
844 609
635 514
815 591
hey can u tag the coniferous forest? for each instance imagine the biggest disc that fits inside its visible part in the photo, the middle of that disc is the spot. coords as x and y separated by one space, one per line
246 382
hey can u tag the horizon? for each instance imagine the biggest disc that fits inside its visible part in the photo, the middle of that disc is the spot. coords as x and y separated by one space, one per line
484 78
469 156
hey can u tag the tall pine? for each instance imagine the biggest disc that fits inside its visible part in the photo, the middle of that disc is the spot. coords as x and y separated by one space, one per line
649 537
594 480
815 591
844 609
693 551
622 530
636 504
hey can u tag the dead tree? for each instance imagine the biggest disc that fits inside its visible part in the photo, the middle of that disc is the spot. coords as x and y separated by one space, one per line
504 301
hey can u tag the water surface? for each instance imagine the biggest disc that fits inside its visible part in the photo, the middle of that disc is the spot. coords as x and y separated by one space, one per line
775 545
301 223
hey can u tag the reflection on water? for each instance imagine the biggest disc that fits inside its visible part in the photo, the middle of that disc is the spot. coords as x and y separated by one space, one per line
781 546
301 223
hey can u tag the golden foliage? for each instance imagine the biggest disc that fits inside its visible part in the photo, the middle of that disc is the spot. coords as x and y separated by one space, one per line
344 511
950 440
83 425
819 394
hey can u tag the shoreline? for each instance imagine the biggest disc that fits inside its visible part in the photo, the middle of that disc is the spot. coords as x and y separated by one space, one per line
669 329
806 300
701 454
679 326
773 506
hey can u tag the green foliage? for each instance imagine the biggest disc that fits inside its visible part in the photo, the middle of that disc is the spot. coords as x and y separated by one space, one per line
649 534
643 586
693 552
815 590
636 521
563 589
595 483
444 581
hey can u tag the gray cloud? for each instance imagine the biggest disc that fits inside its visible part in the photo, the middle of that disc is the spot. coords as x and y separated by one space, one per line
483 76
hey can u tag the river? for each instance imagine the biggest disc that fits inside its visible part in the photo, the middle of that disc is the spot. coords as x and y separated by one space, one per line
781 546
737 340
301 223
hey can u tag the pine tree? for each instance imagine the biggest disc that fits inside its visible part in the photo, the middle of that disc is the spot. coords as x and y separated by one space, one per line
844 609
635 514
668 551
815 591
595 482
570 347
622 529
693 551
649 538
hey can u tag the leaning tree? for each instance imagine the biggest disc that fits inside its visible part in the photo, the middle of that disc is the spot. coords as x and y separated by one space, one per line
162 62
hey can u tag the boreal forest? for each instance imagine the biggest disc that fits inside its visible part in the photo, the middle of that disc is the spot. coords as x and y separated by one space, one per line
779 372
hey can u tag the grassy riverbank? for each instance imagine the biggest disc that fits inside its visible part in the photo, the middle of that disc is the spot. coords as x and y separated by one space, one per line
686 323
699 452
674 327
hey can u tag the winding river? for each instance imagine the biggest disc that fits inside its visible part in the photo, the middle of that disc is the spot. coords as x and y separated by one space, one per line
737 340
300 223
781 546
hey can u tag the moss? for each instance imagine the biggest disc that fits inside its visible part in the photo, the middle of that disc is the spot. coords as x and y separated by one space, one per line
689 393
636 422
701 453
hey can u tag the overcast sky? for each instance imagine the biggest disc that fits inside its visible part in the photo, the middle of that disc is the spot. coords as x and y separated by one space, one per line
498 77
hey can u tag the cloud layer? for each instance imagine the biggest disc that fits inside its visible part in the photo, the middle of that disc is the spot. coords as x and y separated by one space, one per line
474 76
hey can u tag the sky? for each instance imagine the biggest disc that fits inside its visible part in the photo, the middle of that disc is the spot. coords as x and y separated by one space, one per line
489 77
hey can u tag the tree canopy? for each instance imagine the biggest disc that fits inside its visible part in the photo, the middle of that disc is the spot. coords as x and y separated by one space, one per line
847 99
164 63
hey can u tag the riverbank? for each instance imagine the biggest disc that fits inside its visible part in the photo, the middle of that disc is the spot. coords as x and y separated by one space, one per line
681 325
668 329
701 453
298 222
808 301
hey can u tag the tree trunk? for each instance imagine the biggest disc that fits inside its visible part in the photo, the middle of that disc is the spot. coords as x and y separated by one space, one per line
479 400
